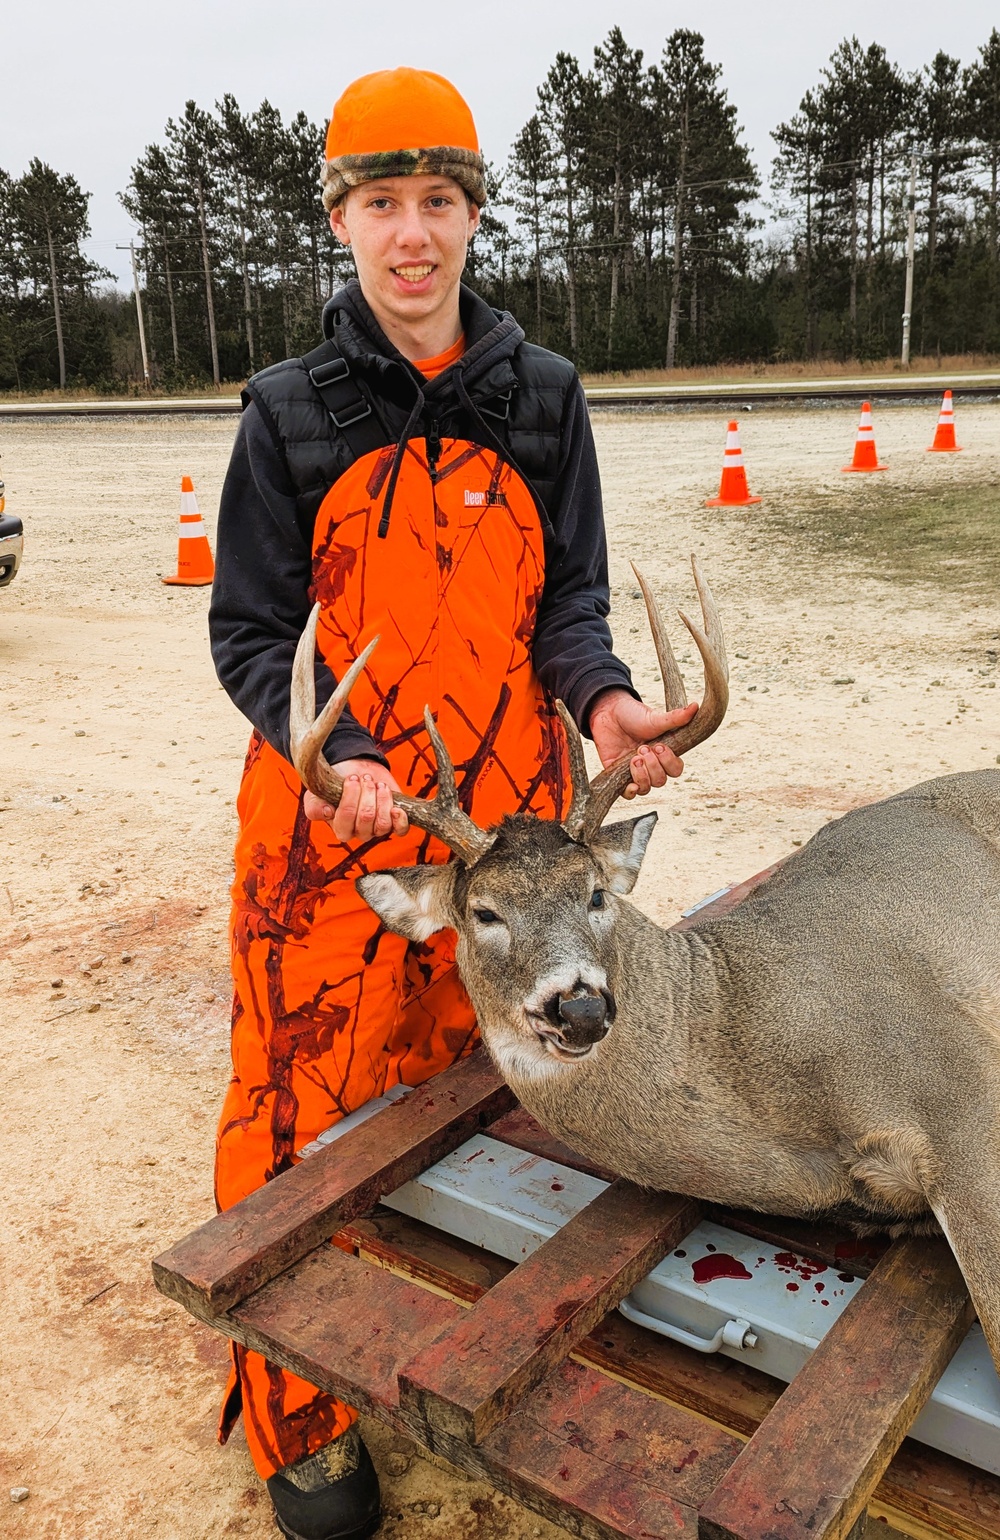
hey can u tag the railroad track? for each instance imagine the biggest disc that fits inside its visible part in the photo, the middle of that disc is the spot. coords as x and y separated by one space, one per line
744 393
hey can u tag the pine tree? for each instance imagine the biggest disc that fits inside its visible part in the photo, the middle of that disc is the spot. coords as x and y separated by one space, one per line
707 173
796 173
613 159
50 220
562 103
982 108
530 172
193 146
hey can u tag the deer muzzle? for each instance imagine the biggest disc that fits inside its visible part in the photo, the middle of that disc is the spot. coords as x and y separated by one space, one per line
577 1019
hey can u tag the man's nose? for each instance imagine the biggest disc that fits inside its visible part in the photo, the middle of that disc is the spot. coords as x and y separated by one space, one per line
411 232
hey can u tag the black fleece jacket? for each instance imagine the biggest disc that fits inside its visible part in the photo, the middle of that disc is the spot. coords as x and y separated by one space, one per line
260 599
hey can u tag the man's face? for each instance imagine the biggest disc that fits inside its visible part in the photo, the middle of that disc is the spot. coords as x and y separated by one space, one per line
408 236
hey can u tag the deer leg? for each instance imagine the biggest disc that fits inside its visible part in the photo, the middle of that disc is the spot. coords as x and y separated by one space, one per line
967 1207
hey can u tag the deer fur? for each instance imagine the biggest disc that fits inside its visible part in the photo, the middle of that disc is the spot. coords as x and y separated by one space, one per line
829 1047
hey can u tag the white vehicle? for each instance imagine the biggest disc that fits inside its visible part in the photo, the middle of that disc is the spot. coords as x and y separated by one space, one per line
11 543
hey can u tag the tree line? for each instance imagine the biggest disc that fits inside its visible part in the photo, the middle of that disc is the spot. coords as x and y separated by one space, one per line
627 229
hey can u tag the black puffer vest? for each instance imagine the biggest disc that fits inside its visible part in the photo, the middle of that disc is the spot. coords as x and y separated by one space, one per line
517 393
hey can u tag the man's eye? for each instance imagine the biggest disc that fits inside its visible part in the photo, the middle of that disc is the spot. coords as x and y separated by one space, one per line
486 917
597 899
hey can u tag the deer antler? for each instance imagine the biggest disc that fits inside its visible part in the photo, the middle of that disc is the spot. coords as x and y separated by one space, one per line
441 817
592 801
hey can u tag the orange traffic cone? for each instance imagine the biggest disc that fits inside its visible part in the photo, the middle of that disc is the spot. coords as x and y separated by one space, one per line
944 436
865 456
733 489
195 566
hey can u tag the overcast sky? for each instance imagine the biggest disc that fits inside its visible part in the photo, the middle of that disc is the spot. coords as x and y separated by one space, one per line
86 86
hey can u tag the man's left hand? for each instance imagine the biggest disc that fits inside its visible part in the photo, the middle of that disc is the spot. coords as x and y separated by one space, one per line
620 724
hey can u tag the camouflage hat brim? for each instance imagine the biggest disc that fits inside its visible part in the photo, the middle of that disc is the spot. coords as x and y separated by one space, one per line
346 171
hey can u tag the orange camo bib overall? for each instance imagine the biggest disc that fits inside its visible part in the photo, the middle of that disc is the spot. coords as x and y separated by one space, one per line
329 1008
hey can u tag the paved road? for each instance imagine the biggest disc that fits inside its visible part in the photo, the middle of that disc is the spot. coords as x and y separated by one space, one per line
710 393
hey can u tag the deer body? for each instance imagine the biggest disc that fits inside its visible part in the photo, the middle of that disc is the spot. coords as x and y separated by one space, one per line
817 1050
830 1047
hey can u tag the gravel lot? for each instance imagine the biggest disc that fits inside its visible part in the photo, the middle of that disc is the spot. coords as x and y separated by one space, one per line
864 617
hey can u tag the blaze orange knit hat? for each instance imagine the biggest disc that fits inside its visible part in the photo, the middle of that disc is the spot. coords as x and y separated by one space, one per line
401 122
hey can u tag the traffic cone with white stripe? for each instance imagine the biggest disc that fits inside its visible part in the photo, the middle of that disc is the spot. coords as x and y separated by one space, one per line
195 566
944 435
733 489
865 455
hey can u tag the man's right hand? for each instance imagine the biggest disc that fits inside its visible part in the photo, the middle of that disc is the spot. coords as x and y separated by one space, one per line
366 809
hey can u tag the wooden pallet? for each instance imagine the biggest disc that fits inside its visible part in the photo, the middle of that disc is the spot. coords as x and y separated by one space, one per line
528 1376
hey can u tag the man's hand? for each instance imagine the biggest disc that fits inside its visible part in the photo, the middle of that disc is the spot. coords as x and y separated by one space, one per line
366 809
620 724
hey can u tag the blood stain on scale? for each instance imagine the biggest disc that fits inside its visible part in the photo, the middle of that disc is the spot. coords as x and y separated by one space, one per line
718 1265
806 1267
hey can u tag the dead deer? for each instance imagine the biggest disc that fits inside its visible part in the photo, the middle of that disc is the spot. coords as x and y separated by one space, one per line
830 1047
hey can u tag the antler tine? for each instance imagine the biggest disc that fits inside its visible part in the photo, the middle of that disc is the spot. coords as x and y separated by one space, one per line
710 615
442 817
574 821
607 787
307 731
674 693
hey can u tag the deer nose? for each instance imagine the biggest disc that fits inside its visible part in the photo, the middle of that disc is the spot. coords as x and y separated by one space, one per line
585 1018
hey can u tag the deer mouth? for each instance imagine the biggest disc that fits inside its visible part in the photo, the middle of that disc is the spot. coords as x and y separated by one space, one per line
556 1045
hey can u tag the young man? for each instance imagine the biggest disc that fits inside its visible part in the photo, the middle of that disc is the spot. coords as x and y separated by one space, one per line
428 477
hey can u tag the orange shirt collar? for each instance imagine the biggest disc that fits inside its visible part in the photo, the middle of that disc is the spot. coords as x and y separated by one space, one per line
432 367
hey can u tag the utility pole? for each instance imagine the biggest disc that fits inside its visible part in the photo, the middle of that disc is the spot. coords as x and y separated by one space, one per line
911 231
130 248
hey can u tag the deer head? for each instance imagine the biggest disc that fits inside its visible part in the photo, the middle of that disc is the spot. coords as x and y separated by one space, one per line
535 903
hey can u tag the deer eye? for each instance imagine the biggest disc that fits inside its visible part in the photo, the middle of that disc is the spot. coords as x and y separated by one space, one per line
597 899
486 917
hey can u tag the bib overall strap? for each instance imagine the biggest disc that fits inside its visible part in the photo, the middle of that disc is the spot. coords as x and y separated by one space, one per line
350 411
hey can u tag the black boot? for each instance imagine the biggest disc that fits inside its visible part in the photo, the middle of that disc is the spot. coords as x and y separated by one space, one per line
330 1495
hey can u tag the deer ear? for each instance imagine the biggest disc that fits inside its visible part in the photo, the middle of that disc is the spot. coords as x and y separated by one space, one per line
413 901
620 847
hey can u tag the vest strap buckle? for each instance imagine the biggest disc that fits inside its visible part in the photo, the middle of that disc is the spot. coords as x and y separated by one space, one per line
499 406
341 397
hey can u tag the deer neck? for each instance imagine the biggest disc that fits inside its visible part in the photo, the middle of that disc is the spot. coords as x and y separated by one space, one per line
667 987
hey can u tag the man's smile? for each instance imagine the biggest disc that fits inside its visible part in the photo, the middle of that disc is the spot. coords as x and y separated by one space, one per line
415 273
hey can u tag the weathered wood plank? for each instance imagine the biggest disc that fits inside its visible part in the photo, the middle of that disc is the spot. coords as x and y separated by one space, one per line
237 1252
595 1456
723 1389
471 1377
921 1484
601 1459
521 1130
728 901
849 1408
939 1492
343 1324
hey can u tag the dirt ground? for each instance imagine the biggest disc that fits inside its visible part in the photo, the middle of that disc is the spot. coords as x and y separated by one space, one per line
864 628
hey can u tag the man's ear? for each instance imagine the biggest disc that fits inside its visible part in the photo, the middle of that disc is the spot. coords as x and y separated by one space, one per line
413 901
338 224
620 847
